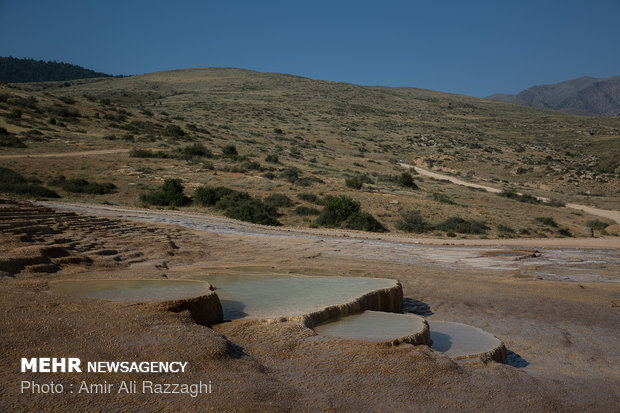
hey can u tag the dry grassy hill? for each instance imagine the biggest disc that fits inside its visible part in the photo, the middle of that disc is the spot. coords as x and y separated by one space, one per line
303 139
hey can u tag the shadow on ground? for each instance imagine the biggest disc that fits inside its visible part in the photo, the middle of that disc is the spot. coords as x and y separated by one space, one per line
418 307
515 360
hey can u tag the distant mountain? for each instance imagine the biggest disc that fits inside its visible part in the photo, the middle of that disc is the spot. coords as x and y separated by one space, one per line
583 96
13 70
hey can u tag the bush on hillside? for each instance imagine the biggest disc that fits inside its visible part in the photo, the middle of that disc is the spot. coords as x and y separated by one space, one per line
252 210
597 224
406 180
520 197
549 221
354 182
230 151
309 197
9 140
412 221
438 197
342 211
197 150
81 185
15 183
363 221
303 210
170 194
462 226
278 201
146 153
336 210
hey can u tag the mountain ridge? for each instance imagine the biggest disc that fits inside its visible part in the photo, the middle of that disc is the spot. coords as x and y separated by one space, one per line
586 96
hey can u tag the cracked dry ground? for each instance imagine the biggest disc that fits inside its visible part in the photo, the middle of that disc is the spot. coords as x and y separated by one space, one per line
566 333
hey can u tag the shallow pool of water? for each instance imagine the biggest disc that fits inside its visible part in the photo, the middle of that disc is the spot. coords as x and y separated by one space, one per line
373 326
458 340
281 295
135 291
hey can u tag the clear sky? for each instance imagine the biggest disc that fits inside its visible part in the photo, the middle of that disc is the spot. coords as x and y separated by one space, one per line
470 47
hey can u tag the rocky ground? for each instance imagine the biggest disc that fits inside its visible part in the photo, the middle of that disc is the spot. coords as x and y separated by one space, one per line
554 304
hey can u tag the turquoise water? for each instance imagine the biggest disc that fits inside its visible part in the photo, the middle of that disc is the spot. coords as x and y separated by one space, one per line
276 295
460 340
373 326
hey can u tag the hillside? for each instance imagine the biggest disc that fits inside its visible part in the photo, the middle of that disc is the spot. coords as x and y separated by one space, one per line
14 70
583 96
291 142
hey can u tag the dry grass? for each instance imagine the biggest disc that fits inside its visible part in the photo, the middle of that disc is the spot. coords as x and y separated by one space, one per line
328 131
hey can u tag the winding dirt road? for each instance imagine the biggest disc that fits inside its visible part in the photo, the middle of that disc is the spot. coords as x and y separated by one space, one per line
605 213
66 154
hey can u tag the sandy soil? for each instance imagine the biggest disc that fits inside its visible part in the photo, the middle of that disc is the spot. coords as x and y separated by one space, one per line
555 308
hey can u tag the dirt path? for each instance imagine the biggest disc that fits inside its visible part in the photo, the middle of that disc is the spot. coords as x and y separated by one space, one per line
66 154
605 213
222 225
579 259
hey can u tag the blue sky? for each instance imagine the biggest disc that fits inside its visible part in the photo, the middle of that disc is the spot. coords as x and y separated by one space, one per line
467 47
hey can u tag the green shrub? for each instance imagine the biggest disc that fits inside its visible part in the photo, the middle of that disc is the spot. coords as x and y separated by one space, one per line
197 150
209 196
63 111
504 229
9 140
230 151
252 166
29 189
81 185
272 159
146 153
555 203
303 210
170 194
412 221
405 179
232 199
565 232
307 181
342 211
309 197
237 205
9 176
278 201
462 226
354 182
549 221
519 197
251 210
363 221
14 114
291 174
442 199
13 182
597 225
174 131
336 210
